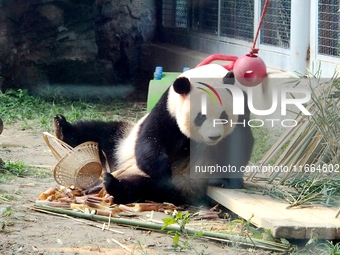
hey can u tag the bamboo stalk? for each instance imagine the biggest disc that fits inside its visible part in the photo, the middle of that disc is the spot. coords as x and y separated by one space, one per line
280 142
147 225
78 220
287 155
296 154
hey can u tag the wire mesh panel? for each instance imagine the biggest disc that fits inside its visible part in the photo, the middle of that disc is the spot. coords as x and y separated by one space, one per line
237 19
204 16
174 13
275 28
181 13
168 13
328 21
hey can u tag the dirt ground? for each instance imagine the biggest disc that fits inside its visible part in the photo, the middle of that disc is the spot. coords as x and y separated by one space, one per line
29 232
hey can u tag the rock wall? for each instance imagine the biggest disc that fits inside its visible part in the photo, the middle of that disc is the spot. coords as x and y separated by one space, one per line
69 41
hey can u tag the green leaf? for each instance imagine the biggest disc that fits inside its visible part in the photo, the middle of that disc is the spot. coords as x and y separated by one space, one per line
179 215
168 222
176 238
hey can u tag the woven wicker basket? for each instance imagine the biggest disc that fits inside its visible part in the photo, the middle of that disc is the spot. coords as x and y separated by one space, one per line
79 166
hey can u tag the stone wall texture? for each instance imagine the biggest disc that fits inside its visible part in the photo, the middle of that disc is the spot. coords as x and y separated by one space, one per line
71 41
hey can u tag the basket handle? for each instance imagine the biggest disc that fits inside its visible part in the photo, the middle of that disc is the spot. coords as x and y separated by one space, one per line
62 144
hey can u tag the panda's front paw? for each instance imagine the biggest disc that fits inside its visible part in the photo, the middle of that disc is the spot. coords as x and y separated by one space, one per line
229 183
235 183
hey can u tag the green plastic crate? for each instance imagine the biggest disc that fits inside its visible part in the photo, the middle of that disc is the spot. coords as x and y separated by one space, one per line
158 87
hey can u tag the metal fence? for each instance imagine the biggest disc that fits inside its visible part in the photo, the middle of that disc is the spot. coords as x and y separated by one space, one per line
175 13
275 29
204 16
229 18
229 26
328 27
237 19
181 14
169 13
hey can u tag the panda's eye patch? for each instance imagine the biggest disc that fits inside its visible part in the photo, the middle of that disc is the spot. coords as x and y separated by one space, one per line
200 118
224 116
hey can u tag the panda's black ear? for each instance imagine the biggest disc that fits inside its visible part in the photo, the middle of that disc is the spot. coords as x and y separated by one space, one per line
229 78
182 85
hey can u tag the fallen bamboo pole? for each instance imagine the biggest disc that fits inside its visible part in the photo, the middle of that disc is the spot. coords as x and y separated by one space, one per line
146 225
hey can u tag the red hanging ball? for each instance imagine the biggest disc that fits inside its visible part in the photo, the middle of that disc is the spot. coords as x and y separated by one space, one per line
250 70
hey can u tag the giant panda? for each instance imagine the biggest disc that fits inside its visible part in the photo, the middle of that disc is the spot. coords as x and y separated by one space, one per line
152 159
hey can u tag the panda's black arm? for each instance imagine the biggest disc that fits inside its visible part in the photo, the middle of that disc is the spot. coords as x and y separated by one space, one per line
159 137
235 150
152 159
151 150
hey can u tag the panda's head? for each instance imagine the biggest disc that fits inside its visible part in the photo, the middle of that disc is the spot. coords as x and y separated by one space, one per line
185 104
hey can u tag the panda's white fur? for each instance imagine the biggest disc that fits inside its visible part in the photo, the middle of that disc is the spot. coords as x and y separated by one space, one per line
126 148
